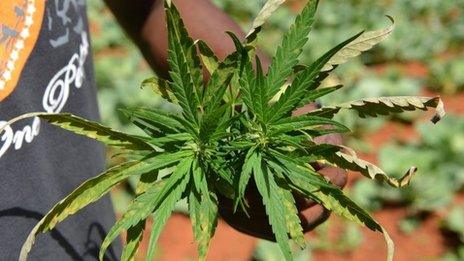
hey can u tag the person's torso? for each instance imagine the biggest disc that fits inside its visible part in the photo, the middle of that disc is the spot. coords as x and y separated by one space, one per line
46 65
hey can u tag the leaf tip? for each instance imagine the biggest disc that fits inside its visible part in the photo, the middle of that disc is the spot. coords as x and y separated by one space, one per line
391 19
439 111
390 245
406 179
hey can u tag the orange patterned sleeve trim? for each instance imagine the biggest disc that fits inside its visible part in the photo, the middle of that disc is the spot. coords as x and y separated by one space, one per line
20 23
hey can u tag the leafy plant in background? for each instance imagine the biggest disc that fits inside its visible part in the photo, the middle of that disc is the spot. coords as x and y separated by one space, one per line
441 153
447 77
111 46
350 238
269 251
454 222
390 83
421 24
426 30
408 44
232 130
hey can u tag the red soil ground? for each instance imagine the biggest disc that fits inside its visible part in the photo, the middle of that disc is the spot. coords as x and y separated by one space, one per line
425 243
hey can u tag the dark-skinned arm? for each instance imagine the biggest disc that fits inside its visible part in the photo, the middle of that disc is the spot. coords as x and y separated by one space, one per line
144 22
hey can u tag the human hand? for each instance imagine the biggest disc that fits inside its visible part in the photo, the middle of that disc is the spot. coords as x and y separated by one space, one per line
311 215
256 222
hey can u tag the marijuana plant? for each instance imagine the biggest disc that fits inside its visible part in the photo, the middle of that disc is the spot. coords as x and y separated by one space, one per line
234 127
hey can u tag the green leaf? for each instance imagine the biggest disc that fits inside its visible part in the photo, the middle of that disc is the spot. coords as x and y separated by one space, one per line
313 95
287 53
186 73
216 89
203 215
159 86
197 174
326 112
365 42
303 82
134 236
241 60
334 200
260 93
146 203
93 189
135 233
269 7
146 180
296 169
274 206
251 159
373 107
173 191
313 88
207 56
224 180
95 131
246 79
194 211
210 125
305 122
155 120
223 124
154 198
169 140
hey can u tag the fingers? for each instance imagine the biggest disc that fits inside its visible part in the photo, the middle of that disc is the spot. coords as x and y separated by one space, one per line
312 217
332 138
305 109
336 176
257 224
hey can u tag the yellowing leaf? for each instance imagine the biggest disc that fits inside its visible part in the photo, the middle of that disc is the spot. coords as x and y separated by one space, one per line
133 238
203 207
87 128
159 86
363 43
352 162
385 106
207 56
291 217
85 194
269 7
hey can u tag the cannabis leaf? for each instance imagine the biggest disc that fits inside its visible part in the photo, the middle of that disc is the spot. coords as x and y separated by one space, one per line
95 188
368 169
287 53
385 106
234 128
89 129
365 41
269 190
269 7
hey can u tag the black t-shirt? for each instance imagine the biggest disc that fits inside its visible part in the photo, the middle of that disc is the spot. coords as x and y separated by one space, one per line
40 164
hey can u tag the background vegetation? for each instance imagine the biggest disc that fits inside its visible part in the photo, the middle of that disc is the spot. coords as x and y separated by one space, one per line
425 55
